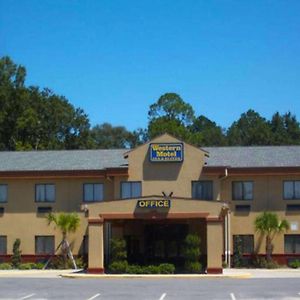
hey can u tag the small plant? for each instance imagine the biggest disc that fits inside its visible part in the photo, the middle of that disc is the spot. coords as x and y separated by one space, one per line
5 266
192 253
295 264
166 269
118 249
16 257
118 267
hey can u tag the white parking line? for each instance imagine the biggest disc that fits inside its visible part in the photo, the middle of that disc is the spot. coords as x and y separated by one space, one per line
93 297
26 297
162 297
232 296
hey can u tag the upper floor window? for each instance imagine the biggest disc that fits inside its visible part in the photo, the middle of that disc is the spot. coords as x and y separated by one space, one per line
3 192
291 189
243 243
44 244
131 189
202 190
242 190
44 192
3 245
292 243
92 192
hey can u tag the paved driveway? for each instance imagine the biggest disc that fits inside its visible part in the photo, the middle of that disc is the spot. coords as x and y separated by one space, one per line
148 289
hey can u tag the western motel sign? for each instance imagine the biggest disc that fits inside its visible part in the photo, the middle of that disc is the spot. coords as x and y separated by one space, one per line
166 152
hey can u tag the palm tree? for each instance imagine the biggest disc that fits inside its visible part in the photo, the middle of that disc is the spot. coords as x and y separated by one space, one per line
66 223
268 224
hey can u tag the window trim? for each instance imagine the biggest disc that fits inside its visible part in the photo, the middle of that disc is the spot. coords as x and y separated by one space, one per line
121 188
290 235
294 196
45 201
243 190
205 181
92 183
43 236
6 185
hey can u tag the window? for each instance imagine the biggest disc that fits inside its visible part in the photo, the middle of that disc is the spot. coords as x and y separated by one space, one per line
44 192
291 190
3 245
242 190
292 243
202 190
3 192
44 244
131 189
92 192
245 242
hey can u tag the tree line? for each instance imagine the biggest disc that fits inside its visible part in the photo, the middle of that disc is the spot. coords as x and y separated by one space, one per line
32 118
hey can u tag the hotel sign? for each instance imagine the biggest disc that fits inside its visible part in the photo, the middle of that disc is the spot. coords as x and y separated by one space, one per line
166 152
154 203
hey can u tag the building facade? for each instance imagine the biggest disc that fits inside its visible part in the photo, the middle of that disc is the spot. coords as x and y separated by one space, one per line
151 196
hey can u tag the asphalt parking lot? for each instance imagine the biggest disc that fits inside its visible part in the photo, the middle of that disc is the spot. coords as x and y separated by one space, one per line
149 289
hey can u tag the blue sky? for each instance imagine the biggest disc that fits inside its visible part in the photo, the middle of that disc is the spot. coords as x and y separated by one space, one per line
115 58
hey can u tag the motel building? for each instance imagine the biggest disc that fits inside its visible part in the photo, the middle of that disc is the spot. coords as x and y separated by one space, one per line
152 196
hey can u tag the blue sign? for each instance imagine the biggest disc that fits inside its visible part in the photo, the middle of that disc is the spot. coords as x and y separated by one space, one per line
167 152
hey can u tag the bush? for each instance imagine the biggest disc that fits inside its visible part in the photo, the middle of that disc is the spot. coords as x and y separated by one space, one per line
151 269
166 269
118 267
192 254
27 266
118 249
295 264
16 257
261 262
237 260
59 263
134 269
5 266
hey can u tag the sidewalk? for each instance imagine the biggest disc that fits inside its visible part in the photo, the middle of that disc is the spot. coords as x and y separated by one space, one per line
227 273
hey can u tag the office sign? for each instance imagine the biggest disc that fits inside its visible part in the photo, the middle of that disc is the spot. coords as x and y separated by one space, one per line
166 152
154 203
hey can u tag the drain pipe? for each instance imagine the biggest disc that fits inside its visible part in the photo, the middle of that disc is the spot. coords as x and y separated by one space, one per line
226 241
229 239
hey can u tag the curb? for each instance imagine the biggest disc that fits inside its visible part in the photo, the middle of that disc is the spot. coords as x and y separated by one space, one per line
128 276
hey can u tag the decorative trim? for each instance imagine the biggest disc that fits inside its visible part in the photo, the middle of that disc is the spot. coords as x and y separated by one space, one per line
152 215
95 270
66 173
93 221
214 220
214 271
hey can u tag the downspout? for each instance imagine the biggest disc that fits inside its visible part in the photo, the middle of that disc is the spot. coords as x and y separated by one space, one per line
227 229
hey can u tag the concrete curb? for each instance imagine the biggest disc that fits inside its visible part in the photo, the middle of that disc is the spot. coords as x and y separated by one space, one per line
155 276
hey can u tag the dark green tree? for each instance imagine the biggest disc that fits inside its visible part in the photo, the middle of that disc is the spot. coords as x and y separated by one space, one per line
251 129
16 257
170 114
209 132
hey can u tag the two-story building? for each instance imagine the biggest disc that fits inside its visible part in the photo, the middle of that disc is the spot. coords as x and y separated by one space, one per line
152 196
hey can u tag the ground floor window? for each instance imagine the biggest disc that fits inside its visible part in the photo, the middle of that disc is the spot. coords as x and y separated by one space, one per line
44 244
292 244
243 243
3 244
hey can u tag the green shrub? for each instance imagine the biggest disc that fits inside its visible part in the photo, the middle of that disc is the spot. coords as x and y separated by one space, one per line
5 266
16 257
118 267
59 263
166 269
151 269
237 260
27 266
134 269
118 249
39 266
261 262
294 264
192 254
